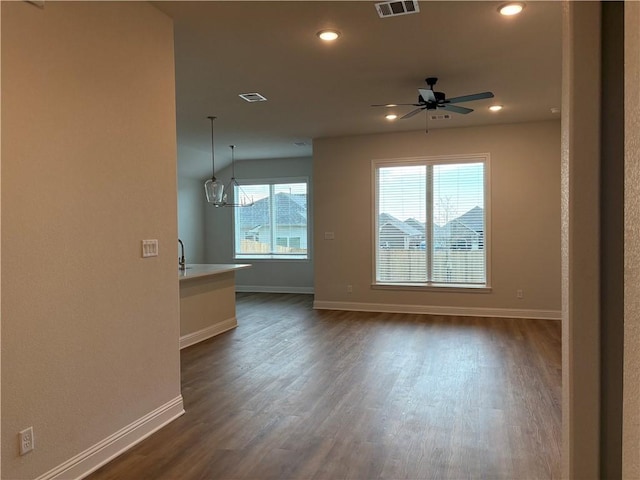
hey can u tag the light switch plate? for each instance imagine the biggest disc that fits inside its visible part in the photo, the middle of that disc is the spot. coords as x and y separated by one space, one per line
149 248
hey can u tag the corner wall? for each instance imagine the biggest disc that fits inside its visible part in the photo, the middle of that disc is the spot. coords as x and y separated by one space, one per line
581 274
525 215
89 328
631 395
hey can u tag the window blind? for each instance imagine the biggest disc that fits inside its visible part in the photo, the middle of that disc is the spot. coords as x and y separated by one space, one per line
431 227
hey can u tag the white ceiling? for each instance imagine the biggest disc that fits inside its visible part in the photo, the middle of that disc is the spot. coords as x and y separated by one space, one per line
314 89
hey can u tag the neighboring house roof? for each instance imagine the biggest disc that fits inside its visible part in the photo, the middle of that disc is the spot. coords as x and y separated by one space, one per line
404 227
473 219
417 224
456 228
291 209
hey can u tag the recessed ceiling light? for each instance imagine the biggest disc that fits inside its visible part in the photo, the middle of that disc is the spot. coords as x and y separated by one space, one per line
391 116
512 8
328 35
495 108
555 110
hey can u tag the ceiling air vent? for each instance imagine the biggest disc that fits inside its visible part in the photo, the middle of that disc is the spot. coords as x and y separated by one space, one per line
445 116
253 97
393 9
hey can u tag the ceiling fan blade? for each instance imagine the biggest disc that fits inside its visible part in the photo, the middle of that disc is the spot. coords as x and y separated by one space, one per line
396 105
427 94
412 113
455 108
469 98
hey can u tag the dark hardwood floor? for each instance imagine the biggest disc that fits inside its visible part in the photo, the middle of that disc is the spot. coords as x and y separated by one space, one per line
294 393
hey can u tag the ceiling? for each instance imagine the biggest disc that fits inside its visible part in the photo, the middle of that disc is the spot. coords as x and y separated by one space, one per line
315 89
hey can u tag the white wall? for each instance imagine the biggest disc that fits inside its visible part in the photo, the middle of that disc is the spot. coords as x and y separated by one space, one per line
525 215
265 275
89 329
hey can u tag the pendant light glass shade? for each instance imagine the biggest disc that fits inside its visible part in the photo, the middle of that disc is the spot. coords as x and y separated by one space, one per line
215 191
212 187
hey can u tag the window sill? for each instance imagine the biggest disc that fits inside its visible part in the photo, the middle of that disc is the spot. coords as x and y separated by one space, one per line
441 288
276 258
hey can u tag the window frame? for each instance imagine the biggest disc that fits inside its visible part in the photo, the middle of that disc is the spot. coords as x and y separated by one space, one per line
484 158
270 257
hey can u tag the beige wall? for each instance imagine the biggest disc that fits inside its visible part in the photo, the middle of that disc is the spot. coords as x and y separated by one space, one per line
525 214
89 328
631 406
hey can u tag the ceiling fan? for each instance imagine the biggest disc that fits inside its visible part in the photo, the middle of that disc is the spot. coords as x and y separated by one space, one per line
428 99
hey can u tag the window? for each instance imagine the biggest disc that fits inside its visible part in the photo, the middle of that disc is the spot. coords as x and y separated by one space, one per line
276 225
431 222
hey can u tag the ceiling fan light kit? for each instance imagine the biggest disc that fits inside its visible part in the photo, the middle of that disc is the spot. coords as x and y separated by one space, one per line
510 9
495 108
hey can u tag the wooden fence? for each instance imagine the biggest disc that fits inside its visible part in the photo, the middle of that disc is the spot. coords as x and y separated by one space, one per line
449 266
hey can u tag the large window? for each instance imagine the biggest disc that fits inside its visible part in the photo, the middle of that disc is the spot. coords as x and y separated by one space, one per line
276 225
431 222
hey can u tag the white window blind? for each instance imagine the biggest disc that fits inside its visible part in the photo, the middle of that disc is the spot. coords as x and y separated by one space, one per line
431 222
276 225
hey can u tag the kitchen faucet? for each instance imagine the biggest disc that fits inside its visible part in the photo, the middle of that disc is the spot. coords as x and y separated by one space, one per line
182 264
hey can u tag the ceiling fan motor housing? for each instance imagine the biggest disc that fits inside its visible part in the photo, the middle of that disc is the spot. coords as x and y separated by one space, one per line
440 99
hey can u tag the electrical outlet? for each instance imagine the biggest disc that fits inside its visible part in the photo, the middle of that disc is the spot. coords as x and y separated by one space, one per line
349 288
26 440
519 293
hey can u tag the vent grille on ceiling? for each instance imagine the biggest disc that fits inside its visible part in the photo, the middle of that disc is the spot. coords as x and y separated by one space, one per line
252 97
393 9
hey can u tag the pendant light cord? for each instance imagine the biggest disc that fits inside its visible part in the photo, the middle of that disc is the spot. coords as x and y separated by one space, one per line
233 168
213 165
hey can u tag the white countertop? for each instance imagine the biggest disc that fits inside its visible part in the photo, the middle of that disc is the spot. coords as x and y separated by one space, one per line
195 270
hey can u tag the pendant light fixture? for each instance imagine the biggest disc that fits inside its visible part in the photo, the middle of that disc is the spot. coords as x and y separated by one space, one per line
212 187
242 200
216 191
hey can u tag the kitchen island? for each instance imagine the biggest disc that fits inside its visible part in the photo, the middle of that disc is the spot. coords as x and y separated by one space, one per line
207 301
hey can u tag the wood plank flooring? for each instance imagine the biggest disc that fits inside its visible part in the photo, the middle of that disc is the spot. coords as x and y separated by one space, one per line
294 393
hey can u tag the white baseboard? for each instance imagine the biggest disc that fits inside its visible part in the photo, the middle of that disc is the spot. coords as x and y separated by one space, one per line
212 331
272 289
106 450
438 310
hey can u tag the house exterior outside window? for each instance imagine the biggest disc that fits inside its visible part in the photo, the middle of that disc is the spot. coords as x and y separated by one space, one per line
275 227
431 219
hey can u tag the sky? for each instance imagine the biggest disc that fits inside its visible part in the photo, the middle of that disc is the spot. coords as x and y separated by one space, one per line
258 192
